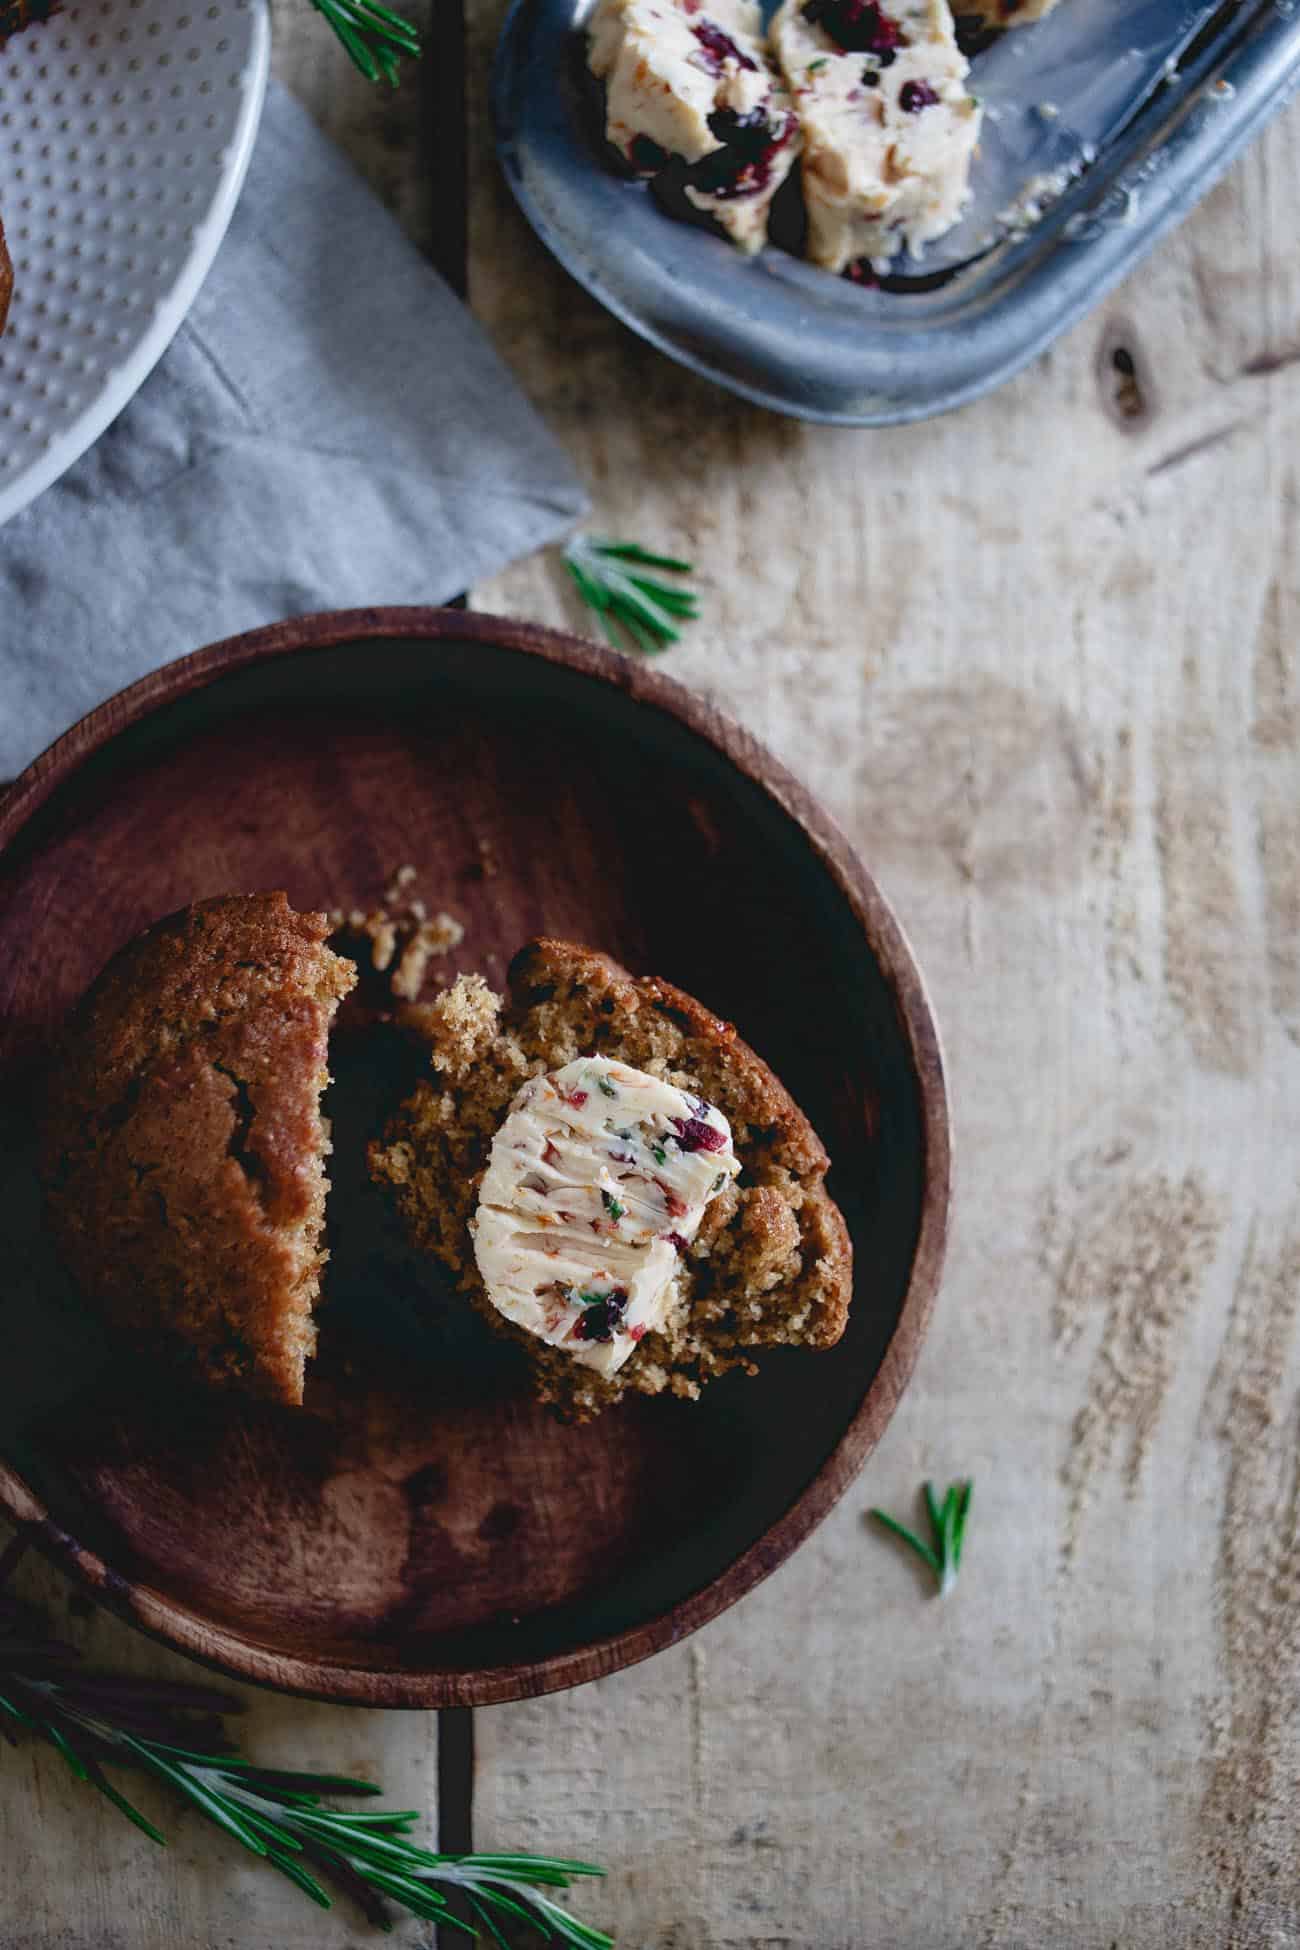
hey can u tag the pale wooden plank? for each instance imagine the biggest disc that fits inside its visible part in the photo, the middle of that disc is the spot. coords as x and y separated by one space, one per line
1042 666
77 1875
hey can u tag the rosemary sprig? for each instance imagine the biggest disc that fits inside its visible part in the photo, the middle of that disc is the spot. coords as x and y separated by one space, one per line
374 36
175 1733
610 578
947 1529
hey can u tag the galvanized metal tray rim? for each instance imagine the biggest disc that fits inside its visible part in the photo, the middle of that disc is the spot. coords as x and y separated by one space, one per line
906 355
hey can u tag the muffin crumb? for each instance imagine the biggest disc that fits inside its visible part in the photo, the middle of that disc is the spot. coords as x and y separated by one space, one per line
401 935
428 940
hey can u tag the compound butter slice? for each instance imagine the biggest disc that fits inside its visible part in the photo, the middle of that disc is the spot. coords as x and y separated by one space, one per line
596 1182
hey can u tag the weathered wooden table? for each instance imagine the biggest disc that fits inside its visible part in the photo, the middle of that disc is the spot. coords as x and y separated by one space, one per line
1040 658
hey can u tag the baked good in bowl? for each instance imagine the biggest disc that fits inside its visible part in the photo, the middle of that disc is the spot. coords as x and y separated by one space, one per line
763 1258
314 1550
183 1149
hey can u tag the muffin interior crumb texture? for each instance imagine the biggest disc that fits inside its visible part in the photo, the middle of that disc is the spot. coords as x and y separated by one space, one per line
772 1263
399 938
183 1149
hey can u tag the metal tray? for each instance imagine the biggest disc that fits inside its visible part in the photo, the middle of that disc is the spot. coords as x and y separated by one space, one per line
1145 125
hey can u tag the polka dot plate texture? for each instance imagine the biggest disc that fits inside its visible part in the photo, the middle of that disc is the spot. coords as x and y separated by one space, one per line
126 127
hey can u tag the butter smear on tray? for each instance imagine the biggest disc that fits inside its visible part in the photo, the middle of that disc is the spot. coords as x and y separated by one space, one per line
597 1181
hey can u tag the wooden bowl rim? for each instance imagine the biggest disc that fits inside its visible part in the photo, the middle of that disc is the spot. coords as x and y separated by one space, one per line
187 1631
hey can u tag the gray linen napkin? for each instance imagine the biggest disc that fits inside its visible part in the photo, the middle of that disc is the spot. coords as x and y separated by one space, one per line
329 428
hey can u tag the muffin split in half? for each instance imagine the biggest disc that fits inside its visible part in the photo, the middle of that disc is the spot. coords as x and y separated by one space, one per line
612 1176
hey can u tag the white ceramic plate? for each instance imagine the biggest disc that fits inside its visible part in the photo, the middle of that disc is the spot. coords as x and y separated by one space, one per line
125 130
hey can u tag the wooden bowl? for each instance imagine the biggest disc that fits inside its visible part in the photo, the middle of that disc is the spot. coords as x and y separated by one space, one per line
421 1534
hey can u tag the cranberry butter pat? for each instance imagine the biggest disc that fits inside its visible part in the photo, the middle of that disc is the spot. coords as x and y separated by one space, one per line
874 96
693 99
889 125
596 1182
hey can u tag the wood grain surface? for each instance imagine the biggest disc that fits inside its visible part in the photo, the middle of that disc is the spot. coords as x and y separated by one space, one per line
1041 660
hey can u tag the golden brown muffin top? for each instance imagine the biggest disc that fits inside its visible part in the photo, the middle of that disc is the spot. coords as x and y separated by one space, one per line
183 1149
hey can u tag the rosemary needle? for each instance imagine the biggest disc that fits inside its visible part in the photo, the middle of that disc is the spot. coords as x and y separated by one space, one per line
947 1531
611 579
175 1733
375 37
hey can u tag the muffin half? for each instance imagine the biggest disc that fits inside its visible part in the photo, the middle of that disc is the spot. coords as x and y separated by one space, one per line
555 1198
183 1148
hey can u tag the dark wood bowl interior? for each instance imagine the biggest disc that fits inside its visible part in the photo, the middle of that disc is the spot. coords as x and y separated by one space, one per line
422 1533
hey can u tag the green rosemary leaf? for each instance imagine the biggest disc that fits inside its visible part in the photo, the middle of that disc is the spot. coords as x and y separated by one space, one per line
375 37
400 30
482 1892
230 1764
644 609
526 1864
362 56
215 1806
274 1813
273 1833
569 1930
630 599
359 1844
947 1528
296 1873
129 1809
959 1527
412 1895
485 1917
553 1867
398 1819
633 552
272 1779
947 1554
73 1758
592 593
678 601
647 641
910 1538
933 1512
533 1878
451 1922
16 1713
